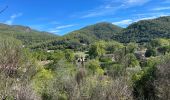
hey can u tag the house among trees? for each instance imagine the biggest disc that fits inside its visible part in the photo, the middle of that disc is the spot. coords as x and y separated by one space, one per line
48 51
140 54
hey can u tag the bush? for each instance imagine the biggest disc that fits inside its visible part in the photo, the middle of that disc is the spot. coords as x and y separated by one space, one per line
16 70
162 81
94 66
150 52
144 81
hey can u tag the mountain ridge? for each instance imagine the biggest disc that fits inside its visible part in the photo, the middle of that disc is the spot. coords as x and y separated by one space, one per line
83 37
146 30
141 31
27 35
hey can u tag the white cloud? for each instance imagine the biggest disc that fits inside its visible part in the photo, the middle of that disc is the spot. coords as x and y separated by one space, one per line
99 12
59 29
135 2
138 17
111 6
130 21
54 31
145 18
150 14
65 26
123 22
161 8
12 18
166 1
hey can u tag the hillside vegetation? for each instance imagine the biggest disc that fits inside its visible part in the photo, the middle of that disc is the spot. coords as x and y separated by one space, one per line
140 32
99 31
87 64
146 30
27 35
80 39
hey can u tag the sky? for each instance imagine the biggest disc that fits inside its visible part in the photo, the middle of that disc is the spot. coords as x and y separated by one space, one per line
63 16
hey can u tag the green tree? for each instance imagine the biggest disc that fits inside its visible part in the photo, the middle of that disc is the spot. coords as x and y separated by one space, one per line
130 60
150 52
131 47
16 70
159 42
164 49
94 66
144 80
69 55
97 49
115 70
162 81
56 56
113 46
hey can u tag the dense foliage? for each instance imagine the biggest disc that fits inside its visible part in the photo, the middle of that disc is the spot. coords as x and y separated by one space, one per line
86 65
80 39
146 30
27 35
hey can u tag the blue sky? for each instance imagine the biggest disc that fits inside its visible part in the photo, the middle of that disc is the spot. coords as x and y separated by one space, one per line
63 16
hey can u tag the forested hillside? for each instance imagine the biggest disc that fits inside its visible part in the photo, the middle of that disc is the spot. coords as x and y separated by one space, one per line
146 30
87 64
140 32
80 39
99 31
27 35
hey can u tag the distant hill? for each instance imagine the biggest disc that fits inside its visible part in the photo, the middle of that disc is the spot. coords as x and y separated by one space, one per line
99 31
142 31
145 30
85 36
27 35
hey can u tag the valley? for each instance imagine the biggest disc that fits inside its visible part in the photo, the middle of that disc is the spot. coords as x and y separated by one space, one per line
98 62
